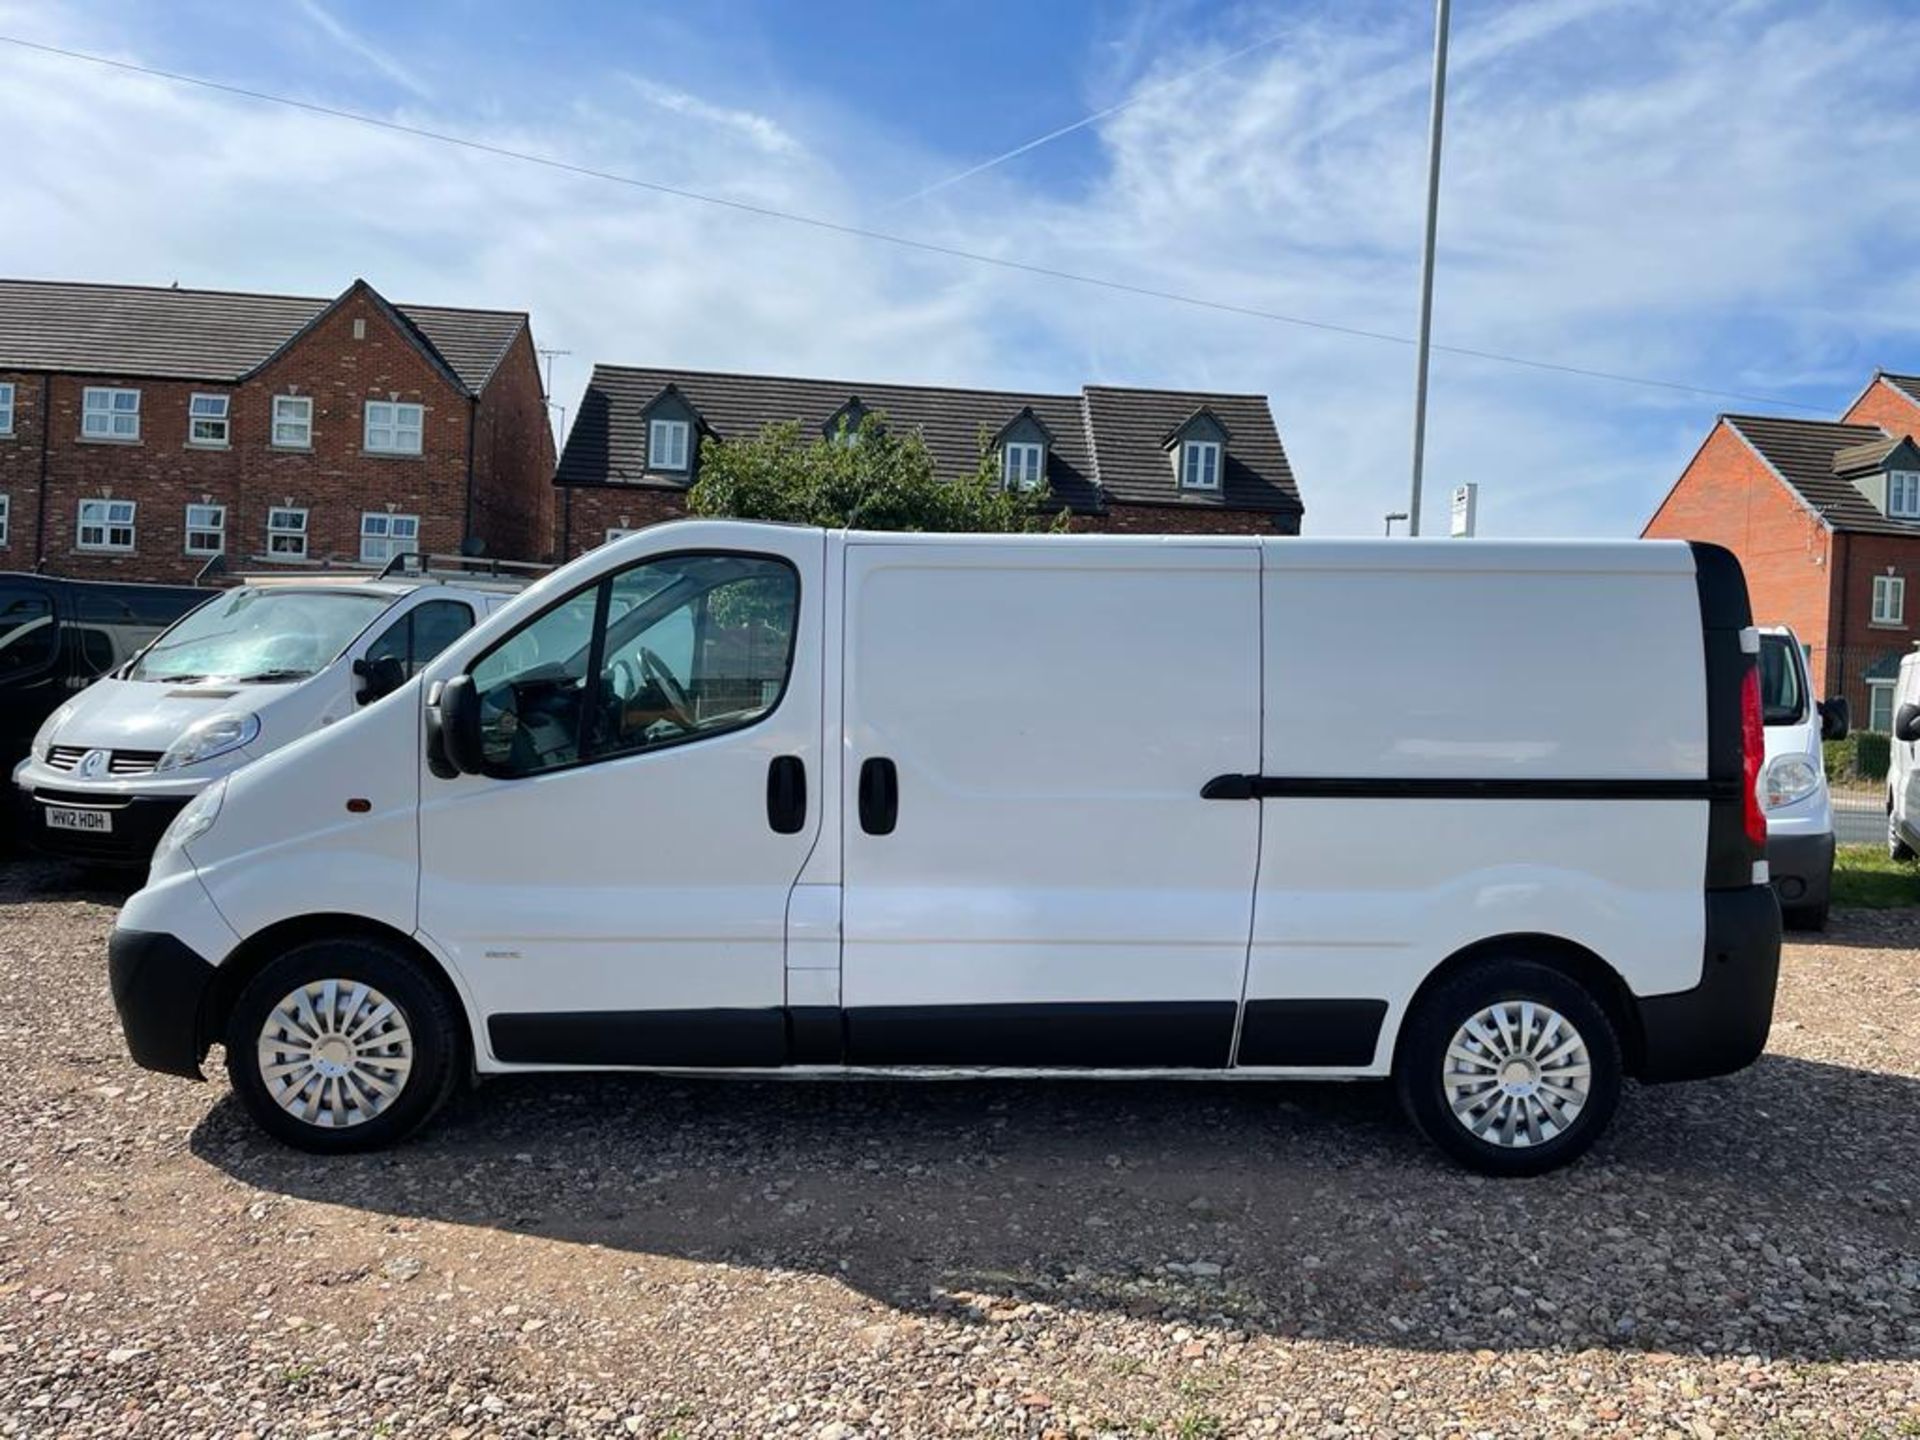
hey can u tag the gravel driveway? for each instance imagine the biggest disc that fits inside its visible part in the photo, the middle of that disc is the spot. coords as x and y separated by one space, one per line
629 1256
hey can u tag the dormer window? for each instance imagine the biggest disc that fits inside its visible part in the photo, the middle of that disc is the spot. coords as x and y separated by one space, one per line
1022 463
1903 494
843 426
1200 465
667 445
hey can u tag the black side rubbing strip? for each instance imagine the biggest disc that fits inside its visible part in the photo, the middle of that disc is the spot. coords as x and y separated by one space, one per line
1152 1034
1344 787
1310 1032
641 1037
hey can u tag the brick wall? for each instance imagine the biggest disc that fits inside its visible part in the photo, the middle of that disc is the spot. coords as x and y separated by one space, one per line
513 459
1883 405
1185 520
352 354
1862 646
1728 495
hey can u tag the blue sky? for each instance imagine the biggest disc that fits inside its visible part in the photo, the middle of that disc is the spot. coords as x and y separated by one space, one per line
1715 193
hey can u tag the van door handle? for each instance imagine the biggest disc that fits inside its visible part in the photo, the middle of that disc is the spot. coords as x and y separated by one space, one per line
879 796
787 794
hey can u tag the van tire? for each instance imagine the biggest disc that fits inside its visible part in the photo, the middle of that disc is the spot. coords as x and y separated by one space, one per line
421 1014
1430 1029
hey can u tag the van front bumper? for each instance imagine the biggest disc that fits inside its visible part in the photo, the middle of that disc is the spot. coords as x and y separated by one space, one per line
1801 868
138 822
1720 1025
161 988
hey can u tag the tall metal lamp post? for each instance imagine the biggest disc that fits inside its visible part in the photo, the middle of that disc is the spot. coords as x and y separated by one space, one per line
1426 261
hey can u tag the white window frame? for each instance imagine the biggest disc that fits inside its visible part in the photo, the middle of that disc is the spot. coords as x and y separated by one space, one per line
6 408
223 417
215 526
1200 462
102 403
1023 475
297 414
1889 599
105 524
667 444
378 538
6 519
1875 689
1903 494
388 425
286 532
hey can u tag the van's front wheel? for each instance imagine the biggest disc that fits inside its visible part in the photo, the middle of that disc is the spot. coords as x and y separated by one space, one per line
1510 1067
341 1045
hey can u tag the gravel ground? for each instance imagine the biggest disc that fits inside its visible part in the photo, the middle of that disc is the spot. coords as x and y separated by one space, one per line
630 1256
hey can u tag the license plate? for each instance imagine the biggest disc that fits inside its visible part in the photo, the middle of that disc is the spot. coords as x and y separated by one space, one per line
94 822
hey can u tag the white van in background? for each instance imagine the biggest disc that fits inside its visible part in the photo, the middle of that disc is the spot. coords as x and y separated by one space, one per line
1793 785
253 668
747 798
1903 763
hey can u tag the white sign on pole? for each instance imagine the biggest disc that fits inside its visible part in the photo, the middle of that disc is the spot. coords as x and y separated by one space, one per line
1466 507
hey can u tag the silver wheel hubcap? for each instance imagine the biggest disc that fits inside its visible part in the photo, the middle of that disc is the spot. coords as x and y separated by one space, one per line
335 1053
1516 1074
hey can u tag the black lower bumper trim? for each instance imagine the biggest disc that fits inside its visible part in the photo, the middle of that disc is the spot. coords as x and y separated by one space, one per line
1721 1024
1801 868
138 823
1310 1032
160 988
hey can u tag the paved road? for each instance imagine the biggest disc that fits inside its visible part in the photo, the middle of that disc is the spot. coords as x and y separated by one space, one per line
1859 819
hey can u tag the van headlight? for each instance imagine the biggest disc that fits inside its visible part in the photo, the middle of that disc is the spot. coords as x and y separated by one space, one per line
1790 778
49 727
193 821
204 739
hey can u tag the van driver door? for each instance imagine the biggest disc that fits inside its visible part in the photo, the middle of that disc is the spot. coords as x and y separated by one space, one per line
613 890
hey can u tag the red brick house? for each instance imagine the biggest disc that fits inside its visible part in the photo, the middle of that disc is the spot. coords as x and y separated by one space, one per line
1118 459
1825 517
144 431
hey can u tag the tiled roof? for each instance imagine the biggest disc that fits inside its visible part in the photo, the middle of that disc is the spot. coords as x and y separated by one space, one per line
1908 385
1106 440
1803 452
217 335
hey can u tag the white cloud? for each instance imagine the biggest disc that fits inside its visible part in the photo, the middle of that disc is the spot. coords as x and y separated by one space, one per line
759 131
357 44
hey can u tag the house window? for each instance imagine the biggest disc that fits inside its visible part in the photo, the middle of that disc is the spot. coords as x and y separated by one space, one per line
1903 494
106 525
206 529
1200 465
207 420
667 445
6 519
107 414
6 407
1889 599
383 536
1880 706
393 428
287 533
1021 464
293 422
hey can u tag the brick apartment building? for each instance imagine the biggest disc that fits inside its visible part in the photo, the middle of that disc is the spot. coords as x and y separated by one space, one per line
1825 517
1118 459
144 431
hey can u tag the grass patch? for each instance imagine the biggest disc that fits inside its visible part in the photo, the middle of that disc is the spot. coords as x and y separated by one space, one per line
1863 877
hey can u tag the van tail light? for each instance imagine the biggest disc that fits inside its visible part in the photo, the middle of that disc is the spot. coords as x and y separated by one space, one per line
1753 748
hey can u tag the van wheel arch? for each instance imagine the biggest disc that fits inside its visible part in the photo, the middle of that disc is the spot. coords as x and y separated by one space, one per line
1575 961
260 949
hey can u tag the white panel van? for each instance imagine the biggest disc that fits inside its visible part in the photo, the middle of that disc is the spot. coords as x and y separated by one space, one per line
764 799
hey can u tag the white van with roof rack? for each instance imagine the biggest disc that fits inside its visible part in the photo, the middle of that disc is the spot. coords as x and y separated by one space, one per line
755 799
254 667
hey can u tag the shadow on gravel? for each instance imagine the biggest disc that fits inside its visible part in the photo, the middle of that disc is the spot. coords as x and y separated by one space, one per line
1771 1212
25 877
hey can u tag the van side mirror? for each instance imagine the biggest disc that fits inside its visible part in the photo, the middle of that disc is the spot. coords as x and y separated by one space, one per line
1836 718
379 676
453 729
1906 723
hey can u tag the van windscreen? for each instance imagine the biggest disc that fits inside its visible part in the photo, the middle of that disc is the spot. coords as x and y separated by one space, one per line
1783 699
260 635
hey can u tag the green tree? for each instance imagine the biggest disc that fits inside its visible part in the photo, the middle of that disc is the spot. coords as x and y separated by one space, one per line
869 479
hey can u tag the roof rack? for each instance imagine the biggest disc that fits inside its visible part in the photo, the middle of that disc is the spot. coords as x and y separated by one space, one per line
465 569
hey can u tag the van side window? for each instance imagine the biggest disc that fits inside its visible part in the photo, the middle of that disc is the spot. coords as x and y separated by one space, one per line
26 629
678 648
422 633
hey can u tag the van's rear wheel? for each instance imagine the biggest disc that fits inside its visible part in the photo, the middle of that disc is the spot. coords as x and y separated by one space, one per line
342 1045
1510 1067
